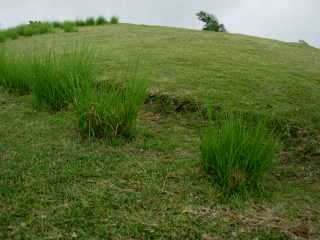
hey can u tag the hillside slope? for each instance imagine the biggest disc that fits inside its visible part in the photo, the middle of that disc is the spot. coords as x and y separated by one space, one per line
233 71
55 184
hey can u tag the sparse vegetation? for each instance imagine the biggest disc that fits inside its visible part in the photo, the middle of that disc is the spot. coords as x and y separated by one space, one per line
237 155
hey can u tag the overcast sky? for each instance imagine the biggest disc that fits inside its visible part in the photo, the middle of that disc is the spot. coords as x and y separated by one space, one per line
287 20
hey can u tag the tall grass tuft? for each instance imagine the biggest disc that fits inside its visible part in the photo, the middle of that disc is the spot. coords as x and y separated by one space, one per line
3 36
237 155
80 23
111 111
34 28
57 24
101 20
15 72
60 77
114 20
69 26
90 21
12 33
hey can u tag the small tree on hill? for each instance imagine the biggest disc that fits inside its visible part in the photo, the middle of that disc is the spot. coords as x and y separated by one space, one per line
211 22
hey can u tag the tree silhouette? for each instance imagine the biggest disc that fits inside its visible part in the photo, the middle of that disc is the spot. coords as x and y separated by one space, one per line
211 22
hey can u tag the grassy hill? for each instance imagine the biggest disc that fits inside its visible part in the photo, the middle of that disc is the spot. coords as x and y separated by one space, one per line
233 71
55 185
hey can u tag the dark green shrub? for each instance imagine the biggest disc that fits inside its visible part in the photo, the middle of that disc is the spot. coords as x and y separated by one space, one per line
60 78
111 111
101 20
114 20
236 154
90 21
15 72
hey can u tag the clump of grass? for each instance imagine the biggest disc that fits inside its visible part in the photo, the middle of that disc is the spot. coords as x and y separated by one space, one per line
80 23
34 28
238 155
114 20
12 33
27 30
101 20
60 77
3 36
15 72
111 111
90 21
57 24
69 26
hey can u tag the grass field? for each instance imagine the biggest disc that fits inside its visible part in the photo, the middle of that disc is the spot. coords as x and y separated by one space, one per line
55 185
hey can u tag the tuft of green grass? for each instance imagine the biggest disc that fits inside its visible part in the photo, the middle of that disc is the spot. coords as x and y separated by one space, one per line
34 28
111 111
27 30
238 155
80 23
15 72
12 33
57 24
3 36
114 20
101 20
69 26
60 77
90 21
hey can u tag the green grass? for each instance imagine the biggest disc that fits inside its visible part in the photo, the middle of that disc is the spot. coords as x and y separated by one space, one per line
236 72
111 111
60 77
69 27
15 72
54 184
238 155
26 30
3 36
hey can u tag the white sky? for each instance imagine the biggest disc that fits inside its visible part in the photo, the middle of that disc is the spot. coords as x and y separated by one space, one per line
287 20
